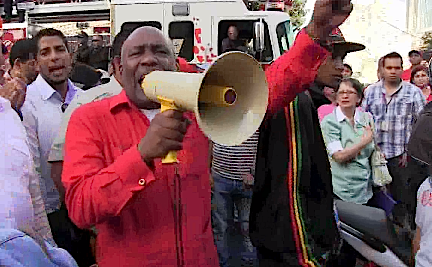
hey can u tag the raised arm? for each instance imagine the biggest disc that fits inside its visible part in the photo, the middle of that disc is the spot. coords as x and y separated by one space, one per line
294 71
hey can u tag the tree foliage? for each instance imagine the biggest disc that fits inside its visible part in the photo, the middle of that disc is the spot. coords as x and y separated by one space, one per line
297 12
427 41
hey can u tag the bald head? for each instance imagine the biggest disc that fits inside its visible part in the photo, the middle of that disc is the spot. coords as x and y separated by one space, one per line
149 32
144 51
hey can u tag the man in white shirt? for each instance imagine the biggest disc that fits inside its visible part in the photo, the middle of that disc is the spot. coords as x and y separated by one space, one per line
21 203
46 100
16 207
423 238
14 140
109 89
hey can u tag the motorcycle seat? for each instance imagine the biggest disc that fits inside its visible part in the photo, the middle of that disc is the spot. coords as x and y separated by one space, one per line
370 221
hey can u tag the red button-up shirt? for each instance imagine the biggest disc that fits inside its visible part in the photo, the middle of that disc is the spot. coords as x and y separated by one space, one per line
406 74
137 210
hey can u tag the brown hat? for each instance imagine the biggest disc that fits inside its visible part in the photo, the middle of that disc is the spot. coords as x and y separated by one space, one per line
337 41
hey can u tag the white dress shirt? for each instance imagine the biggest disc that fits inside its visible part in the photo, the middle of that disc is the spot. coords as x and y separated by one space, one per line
42 115
93 94
16 209
18 179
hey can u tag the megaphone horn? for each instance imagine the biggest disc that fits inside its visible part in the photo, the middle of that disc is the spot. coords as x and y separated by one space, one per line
229 100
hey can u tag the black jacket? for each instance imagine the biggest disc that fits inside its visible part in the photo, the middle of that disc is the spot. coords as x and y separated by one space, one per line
271 224
420 143
99 58
83 54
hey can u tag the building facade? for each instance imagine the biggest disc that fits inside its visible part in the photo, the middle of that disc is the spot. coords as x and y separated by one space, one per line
383 26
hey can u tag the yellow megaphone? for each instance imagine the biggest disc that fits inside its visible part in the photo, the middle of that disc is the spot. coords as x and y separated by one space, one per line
229 100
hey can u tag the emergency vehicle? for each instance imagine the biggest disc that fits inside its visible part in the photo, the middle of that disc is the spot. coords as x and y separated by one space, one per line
198 27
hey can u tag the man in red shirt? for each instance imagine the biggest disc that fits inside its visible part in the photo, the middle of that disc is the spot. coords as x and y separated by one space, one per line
415 58
146 213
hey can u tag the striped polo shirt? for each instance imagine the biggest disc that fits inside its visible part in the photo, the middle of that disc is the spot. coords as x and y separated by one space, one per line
233 162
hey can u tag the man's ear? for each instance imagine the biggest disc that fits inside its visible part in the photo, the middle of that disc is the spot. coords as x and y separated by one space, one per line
17 63
120 66
116 62
116 65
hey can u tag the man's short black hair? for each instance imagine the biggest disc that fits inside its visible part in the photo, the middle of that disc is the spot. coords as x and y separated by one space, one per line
348 67
412 52
392 55
118 42
49 32
23 50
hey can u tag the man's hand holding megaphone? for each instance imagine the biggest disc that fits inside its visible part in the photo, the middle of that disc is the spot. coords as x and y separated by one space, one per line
165 134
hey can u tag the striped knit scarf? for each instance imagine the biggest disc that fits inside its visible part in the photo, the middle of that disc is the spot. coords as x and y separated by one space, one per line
304 253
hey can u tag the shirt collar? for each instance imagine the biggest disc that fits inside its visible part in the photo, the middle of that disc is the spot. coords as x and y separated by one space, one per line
384 90
47 91
71 92
340 116
119 100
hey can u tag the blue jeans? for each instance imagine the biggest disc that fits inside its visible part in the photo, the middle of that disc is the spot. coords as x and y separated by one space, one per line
227 194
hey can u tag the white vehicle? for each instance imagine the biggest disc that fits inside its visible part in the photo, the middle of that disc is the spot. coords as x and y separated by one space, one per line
198 27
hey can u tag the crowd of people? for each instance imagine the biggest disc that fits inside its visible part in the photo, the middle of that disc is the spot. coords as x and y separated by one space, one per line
83 183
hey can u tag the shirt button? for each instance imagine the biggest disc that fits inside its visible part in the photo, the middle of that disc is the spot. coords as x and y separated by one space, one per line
141 182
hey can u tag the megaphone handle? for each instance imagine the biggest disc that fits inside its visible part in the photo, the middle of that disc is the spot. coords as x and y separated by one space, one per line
167 104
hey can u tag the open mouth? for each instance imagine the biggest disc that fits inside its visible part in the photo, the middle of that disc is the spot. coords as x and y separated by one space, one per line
57 70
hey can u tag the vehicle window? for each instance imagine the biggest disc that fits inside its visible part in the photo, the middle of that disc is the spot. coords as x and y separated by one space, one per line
130 26
283 35
182 34
245 38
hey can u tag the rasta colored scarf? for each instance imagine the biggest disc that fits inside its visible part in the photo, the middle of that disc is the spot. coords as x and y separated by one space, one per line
295 158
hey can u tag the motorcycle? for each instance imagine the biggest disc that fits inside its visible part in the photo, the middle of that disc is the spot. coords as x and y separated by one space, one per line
369 231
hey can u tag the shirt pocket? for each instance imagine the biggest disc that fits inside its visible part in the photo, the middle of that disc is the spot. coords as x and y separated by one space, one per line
377 108
404 107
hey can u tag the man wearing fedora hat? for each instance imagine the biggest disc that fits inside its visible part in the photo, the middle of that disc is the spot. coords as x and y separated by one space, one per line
292 220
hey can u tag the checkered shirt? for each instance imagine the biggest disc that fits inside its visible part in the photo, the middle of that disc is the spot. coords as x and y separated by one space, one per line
393 120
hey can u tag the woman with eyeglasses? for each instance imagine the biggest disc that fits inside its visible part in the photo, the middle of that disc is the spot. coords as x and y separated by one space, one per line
420 78
348 135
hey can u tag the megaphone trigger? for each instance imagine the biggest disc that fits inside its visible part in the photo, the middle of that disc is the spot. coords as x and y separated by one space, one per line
168 104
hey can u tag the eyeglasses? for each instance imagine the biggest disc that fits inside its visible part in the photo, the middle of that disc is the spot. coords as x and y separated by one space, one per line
346 93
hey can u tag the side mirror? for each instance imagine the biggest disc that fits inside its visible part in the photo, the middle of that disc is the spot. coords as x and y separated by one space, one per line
259 36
